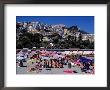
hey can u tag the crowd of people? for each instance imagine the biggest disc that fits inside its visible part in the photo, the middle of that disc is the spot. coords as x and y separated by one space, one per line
37 60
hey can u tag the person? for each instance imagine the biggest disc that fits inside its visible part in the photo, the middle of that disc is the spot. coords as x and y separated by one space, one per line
17 64
61 63
44 65
21 63
47 64
69 64
37 66
51 63
56 64
65 61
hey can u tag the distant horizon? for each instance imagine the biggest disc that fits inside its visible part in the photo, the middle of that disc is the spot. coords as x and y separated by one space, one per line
85 23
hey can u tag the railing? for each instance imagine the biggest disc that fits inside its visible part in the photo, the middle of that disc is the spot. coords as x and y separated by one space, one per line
65 49
70 49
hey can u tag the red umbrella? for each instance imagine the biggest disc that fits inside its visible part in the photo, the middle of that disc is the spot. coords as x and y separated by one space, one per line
68 71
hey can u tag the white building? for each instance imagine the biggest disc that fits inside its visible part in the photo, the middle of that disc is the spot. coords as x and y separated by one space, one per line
30 28
88 36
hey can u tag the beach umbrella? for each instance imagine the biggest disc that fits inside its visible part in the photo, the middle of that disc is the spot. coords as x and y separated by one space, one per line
33 52
68 71
60 56
55 56
43 54
43 58
83 59
42 51
67 52
20 57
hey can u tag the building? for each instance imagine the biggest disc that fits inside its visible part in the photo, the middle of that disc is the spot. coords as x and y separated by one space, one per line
89 37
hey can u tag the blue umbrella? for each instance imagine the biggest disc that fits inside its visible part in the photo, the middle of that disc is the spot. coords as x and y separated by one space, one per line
83 59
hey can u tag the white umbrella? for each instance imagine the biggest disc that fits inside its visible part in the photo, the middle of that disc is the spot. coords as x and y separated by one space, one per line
47 58
55 56
20 57
60 56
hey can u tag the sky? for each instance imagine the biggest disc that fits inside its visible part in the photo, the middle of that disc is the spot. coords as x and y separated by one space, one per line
85 23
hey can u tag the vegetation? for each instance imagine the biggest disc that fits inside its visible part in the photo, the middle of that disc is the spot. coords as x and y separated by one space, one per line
29 40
